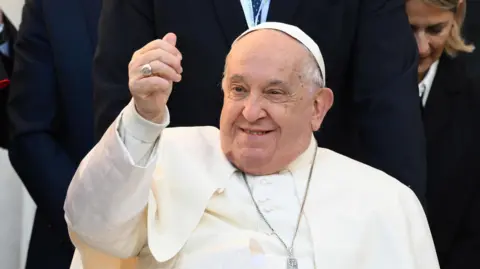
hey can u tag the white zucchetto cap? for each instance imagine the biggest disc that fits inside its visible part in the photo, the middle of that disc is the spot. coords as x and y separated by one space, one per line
295 33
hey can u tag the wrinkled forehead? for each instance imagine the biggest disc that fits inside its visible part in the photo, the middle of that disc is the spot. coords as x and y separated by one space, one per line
423 14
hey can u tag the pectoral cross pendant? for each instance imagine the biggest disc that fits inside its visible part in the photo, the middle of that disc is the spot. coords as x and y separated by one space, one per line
292 263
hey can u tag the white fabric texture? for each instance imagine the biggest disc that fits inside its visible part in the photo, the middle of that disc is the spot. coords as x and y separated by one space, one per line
355 216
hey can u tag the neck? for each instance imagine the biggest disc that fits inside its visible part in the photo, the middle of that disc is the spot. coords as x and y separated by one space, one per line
421 76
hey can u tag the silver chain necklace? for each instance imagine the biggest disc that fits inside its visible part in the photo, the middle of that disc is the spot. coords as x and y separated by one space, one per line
292 262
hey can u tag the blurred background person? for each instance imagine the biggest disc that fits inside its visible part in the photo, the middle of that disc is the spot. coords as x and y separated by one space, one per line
50 111
451 117
11 189
375 118
7 37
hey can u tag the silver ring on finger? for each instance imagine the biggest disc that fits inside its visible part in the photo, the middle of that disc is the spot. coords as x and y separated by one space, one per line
146 70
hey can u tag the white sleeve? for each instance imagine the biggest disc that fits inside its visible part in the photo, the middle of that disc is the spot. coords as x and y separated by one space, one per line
421 240
397 235
139 135
107 198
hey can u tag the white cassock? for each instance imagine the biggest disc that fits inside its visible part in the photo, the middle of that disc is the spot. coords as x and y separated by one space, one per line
176 202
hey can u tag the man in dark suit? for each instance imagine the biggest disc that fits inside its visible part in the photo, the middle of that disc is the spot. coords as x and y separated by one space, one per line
50 110
368 47
8 35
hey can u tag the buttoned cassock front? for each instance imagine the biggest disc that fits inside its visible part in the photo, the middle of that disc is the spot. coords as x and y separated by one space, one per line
178 203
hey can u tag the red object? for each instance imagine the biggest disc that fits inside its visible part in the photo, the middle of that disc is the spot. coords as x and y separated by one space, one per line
4 83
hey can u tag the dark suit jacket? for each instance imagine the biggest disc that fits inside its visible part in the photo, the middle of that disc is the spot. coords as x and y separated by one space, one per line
4 77
471 29
6 66
452 124
369 50
50 109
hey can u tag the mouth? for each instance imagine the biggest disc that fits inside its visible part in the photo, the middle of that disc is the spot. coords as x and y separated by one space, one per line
255 132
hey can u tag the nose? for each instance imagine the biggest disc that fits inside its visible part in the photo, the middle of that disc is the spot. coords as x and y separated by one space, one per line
253 109
423 45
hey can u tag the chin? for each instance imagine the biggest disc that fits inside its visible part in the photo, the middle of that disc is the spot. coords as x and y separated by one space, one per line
252 160
424 65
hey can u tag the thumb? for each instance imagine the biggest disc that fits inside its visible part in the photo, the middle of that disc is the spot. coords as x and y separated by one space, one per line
170 38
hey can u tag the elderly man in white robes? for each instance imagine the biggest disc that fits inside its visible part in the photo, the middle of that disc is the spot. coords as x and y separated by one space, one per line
258 193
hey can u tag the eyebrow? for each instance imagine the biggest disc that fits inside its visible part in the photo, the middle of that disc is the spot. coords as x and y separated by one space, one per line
438 24
236 78
277 82
272 82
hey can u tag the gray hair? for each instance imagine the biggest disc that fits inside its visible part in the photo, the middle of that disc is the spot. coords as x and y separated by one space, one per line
312 72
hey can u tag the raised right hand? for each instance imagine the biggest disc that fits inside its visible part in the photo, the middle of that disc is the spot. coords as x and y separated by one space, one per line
151 92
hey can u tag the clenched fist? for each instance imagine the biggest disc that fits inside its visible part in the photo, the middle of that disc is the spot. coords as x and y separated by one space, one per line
151 72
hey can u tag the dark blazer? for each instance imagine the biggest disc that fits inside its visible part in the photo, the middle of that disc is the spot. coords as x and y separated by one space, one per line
471 29
370 56
6 67
50 109
452 124
4 77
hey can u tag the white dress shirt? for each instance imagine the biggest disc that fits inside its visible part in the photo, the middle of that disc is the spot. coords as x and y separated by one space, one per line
425 85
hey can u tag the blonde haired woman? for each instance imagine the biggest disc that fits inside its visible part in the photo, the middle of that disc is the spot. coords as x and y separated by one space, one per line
452 120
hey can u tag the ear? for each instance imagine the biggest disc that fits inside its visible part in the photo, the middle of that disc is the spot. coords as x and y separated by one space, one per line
461 12
323 101
223 84
224 89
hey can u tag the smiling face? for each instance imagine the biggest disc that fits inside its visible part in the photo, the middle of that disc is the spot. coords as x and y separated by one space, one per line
270 105
431 26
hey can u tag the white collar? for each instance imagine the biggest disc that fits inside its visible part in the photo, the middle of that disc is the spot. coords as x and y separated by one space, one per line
305 159
425 85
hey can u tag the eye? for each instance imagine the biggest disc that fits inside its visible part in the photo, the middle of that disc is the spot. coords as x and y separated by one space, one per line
238 89
276 95
237 92
275 91
435 29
